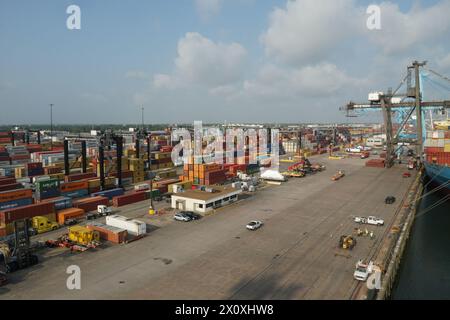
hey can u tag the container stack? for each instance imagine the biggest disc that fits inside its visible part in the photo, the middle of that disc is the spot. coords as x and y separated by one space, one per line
4 156
15 198
162 159
437 147
76 189
136 166
5 138
204 174
18 154
35 169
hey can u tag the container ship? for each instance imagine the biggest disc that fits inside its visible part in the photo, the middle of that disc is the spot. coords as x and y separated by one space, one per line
437 155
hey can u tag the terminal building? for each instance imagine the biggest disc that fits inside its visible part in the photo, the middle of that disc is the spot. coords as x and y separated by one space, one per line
203 201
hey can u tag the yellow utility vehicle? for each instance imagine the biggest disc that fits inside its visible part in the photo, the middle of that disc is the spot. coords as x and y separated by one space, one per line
83 236
42 224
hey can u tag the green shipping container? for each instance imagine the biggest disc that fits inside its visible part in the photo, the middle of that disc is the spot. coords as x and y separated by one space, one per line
47 185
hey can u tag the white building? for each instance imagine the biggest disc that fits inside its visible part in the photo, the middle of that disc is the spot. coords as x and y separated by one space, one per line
204 201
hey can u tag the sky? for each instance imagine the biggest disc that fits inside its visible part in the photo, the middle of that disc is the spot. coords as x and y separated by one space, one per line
211 60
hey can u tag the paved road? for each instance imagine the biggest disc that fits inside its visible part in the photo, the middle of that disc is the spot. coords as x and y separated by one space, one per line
294 256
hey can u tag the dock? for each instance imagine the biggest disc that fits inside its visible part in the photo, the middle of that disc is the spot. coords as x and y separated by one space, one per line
295 255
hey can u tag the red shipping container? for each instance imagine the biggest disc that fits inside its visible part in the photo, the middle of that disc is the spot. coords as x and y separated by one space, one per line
13 186
34 165
129 198
90 204
7 181
3 232
40 209
79 176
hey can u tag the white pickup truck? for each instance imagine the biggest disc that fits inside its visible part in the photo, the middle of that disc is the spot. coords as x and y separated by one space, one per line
370 220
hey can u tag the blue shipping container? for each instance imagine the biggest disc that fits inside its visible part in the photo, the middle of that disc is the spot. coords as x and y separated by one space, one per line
49 193
109 193
16 203
76 194
63 203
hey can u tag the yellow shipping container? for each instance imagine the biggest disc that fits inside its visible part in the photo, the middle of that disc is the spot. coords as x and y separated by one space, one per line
59 176
162 155
19 172
94 183
447 147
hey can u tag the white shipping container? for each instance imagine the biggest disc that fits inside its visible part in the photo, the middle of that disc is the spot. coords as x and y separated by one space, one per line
133 226
40 178
375 96
142 186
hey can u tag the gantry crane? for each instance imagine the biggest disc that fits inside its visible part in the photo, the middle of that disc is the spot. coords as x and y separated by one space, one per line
386 103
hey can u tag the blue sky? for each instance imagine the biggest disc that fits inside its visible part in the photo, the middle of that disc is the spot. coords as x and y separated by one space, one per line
210 60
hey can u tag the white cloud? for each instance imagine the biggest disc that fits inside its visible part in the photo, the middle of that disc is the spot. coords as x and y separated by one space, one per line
401 31
208 8
319 80
309 30
201 61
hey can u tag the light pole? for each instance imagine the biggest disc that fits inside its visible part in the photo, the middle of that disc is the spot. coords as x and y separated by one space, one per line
51 126
142 109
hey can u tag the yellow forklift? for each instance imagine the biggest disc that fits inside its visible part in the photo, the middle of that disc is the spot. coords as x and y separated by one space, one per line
347 242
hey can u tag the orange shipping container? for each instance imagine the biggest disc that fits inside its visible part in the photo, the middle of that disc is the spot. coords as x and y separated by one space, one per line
15 195
73 186
72 213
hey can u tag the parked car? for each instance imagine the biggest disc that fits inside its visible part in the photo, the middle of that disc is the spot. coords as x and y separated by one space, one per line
254 225
389 200
180 216
369 220
192 215
363 270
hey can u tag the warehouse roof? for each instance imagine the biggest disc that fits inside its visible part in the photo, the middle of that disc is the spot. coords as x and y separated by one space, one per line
218 191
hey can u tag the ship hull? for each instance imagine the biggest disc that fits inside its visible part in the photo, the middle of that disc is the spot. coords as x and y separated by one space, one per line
439 175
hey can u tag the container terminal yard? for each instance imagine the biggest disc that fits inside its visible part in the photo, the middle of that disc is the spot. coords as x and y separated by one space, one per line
245 160
296 254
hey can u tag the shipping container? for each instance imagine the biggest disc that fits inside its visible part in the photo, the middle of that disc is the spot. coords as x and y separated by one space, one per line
15 203
133 226
90 203
76 193
129 199
8 196
9 187
39 209
109 233
60 202
109 193
79 176
71 213
7 181
74 186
